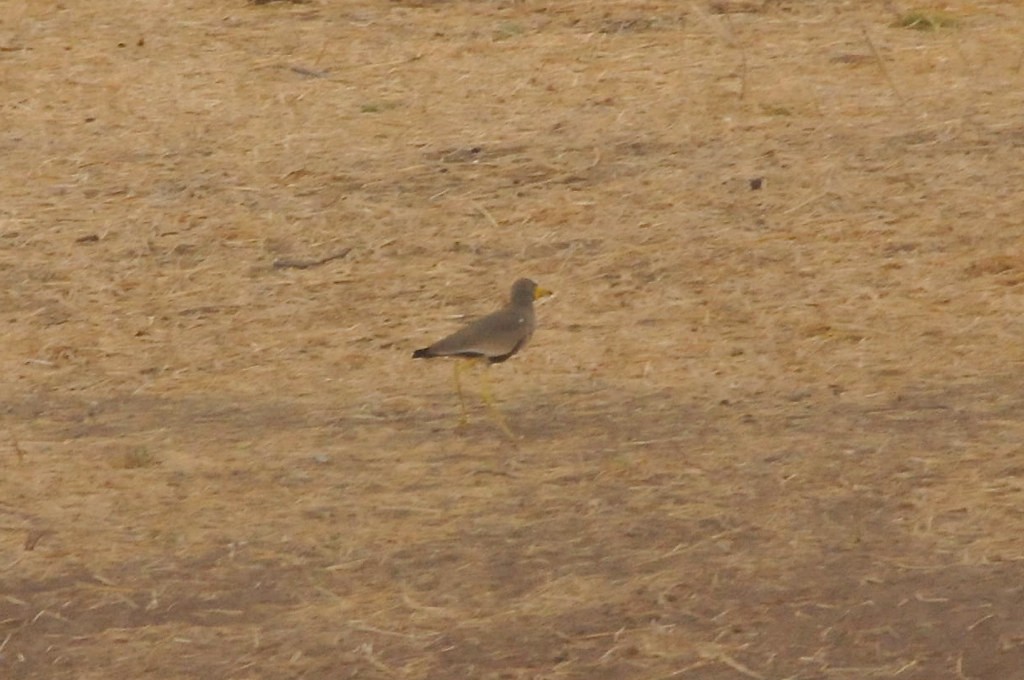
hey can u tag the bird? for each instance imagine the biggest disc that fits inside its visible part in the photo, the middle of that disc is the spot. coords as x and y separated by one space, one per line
491 339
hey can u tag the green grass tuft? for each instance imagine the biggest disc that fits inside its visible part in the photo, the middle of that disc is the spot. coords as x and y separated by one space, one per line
925 21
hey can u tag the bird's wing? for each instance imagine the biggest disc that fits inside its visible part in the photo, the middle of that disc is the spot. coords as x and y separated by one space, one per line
493 335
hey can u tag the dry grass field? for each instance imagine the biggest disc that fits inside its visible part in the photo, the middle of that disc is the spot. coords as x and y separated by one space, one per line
771 426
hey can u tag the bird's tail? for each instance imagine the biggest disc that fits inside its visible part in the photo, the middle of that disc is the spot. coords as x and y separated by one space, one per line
422 353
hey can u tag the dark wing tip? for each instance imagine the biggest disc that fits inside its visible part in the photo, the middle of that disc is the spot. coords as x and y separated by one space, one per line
422 353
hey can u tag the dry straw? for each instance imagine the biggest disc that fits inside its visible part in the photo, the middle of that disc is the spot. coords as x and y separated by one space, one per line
765 433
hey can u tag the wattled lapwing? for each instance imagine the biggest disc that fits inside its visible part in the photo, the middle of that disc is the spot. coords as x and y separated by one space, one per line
491 339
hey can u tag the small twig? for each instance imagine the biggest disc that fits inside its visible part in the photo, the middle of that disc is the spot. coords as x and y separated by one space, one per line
881 65
307 264
308 72
496 473
980 621
805 202
960 668
360 626
907 666
486 213
33 537
692 667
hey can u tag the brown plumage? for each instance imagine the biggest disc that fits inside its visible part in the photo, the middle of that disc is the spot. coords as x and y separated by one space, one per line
493 338
497 336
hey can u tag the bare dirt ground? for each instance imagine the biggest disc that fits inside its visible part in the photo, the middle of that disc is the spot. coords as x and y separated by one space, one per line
764 433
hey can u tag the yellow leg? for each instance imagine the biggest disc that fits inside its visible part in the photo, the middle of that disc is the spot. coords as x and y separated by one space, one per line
458 388
488 397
